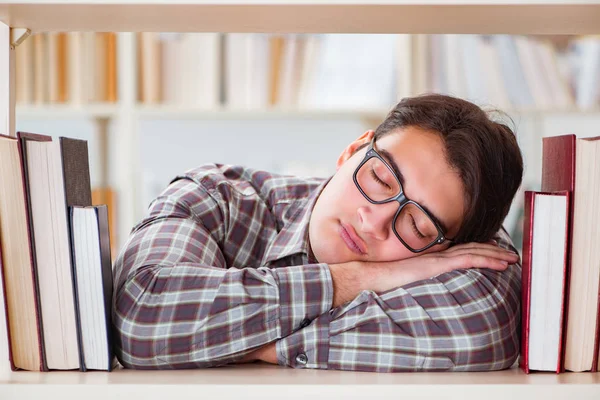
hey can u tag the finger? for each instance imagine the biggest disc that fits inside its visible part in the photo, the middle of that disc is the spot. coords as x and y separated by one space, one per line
495 252
472 245
479 261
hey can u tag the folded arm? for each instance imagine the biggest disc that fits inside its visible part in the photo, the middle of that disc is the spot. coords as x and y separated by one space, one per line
177 305
463 320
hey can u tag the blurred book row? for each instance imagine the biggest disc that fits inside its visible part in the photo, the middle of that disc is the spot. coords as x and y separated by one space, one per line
340 71
75 67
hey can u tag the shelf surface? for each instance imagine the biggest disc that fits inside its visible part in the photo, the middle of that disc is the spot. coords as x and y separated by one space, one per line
165 111
270 381
326 16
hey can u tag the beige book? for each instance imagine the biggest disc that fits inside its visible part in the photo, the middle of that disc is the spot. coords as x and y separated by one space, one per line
24 72
75 68
89 66
51 66
16 262
40 73
277 46
582 314
100 64
150 61
420 72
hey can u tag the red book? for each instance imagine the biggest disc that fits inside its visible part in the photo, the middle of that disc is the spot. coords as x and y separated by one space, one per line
558 173
546 223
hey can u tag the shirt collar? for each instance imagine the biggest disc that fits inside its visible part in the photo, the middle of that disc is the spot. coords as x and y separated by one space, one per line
293 237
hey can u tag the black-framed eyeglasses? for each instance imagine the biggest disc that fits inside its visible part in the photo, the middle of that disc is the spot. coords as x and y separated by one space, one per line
412 224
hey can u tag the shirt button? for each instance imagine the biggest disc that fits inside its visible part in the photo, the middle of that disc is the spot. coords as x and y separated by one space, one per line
305 322
301 359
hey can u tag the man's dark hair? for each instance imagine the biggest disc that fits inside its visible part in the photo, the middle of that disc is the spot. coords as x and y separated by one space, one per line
484 152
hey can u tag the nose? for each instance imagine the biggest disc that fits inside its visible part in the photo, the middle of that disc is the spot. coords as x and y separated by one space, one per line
376 219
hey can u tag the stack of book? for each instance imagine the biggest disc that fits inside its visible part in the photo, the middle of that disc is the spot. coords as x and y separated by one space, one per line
561 260
54 256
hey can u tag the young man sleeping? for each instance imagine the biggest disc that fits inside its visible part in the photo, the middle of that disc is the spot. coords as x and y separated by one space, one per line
398 262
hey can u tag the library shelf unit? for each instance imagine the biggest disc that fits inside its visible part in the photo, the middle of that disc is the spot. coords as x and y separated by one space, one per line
20 18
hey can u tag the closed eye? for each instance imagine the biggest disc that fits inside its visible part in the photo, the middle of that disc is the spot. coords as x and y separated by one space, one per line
378 180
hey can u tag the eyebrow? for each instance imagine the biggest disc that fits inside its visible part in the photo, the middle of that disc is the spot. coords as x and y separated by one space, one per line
390 159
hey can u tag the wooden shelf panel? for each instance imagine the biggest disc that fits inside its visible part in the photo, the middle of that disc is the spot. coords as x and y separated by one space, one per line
269 381
383 16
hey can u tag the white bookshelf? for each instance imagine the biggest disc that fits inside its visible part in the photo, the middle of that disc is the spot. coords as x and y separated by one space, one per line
358 16
278 16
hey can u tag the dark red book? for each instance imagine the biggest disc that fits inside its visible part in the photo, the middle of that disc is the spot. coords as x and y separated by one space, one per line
558 173
545 231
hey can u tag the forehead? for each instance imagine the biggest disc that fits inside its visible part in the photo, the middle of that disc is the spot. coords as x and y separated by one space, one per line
428 178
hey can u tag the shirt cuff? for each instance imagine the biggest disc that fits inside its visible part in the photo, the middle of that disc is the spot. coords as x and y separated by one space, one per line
305 292
308 347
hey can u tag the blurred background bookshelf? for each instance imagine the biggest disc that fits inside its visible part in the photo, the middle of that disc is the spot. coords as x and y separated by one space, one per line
152 105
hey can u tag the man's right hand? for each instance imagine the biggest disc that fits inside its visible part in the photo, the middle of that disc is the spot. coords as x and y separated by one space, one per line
349 279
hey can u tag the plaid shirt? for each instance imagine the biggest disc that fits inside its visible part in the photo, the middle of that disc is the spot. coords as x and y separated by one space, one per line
221 266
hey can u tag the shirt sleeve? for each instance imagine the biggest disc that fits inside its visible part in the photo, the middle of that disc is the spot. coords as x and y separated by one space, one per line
176 304
465 320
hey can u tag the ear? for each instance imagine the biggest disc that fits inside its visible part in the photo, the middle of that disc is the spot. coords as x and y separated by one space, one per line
351 148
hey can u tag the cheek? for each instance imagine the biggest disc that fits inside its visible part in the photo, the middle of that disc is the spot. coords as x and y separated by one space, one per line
393 250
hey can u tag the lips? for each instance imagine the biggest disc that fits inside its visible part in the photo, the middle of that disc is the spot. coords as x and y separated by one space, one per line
352 240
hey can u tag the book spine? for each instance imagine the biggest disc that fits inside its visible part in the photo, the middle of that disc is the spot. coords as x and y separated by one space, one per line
36 286
526 279
82 367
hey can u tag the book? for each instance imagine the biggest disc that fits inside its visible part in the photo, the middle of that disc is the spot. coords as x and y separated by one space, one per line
93 285
19 282
543 280
56 175
107 196
570 164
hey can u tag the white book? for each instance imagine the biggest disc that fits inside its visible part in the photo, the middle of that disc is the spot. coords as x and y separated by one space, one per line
517 87
309 66
285 94
474 73
202 74
404 67
588 78
561 94
52 253
494 83
455 72
93 285
530 62
547 280
235 70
